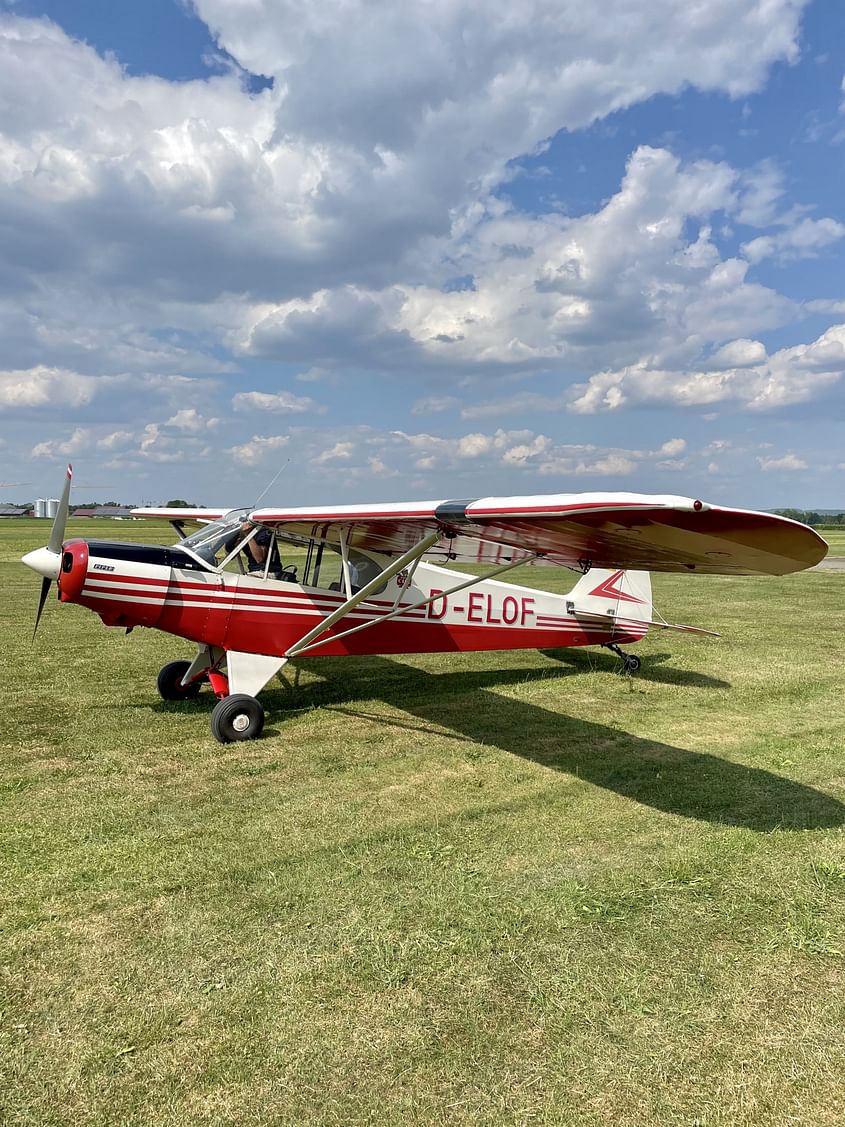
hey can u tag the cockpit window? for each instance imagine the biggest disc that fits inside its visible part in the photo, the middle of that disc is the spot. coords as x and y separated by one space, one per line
326 570
212 542
310 562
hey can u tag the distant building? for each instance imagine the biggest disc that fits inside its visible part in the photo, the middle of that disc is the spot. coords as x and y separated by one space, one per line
14 510
116 512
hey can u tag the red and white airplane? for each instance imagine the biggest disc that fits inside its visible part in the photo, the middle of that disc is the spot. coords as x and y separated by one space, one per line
367 580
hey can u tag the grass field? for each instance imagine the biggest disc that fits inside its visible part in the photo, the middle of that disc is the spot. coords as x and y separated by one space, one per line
502 888
835 538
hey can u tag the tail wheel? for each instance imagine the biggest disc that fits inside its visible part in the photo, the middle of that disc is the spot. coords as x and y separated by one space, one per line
237 717
170 685
632 663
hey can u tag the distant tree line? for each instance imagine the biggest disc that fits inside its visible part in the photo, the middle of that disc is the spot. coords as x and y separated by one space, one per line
810 516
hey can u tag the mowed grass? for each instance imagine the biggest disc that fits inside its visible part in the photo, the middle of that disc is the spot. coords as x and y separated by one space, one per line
835 538
462 889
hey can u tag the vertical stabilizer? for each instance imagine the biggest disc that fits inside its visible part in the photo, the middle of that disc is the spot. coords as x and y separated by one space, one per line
622 594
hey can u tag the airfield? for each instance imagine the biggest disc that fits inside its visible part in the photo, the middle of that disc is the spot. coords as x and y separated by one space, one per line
451 889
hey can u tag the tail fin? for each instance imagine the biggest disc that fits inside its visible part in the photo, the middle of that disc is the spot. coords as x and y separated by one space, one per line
622 594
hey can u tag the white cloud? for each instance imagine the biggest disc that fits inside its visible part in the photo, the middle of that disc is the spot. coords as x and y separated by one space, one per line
116 440
339 452
802 240
379 468
80 439
740 353
612 466
526 450
45 387
508 75
153 224
788 462
189 419
150 203
673 446
549 291
472 445
521 454
792 375
825 306
281 402
760 195
258 448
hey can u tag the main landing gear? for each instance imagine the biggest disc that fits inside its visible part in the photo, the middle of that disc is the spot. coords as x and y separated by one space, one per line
236 716
630 662
170 685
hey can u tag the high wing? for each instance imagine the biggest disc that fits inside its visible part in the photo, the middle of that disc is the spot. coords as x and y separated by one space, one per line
179 517
577 530
194 515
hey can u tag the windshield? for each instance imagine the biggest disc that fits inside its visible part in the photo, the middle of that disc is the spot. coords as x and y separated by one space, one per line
213 541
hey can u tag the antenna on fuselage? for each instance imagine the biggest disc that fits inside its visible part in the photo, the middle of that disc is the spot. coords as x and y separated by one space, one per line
270 484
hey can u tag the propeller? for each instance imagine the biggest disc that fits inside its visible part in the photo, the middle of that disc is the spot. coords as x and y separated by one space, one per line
47 561
45 591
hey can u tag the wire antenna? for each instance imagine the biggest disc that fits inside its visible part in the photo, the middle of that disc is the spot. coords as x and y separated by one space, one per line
270 484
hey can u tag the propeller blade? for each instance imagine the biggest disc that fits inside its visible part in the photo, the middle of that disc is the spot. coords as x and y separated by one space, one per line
45 591
57 532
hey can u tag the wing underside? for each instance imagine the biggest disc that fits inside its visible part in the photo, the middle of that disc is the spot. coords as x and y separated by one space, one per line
180 516
619 530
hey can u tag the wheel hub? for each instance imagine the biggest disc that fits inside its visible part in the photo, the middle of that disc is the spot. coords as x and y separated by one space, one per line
240 722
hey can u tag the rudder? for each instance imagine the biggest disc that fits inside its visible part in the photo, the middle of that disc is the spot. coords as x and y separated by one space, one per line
623 594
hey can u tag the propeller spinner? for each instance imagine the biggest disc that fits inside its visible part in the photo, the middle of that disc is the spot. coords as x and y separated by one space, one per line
47 561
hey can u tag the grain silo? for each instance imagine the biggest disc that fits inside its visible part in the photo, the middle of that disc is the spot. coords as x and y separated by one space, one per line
52 507
41 507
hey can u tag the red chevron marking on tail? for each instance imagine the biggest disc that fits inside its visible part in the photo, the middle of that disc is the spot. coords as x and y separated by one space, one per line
608 588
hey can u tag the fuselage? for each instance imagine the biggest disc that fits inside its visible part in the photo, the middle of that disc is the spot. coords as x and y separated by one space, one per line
131 585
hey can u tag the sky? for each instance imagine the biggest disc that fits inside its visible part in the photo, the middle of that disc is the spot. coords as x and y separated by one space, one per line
390 251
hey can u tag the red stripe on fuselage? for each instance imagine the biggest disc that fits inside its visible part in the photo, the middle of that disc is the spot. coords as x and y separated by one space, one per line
237 615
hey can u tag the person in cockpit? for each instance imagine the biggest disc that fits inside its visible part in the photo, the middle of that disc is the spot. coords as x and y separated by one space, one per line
257 548
256 552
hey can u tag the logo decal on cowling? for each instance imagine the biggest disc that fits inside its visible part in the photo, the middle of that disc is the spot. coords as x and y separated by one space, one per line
608 588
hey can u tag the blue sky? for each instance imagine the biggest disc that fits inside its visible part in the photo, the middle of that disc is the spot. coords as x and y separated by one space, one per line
441 252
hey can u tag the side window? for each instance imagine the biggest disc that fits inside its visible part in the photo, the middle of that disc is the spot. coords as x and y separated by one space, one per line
326 569
363 570
290 560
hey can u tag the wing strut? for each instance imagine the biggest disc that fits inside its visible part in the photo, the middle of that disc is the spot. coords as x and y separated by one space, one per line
307 644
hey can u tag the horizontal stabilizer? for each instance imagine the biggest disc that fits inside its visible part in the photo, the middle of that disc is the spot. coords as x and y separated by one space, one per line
592 616
686 629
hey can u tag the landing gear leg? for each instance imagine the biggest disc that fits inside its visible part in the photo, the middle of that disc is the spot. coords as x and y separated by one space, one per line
630 662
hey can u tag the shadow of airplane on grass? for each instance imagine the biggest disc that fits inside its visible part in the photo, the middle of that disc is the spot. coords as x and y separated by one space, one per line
588 661
692 784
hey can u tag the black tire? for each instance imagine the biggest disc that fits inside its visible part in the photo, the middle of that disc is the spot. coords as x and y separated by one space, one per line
632 663
237 717
169 682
